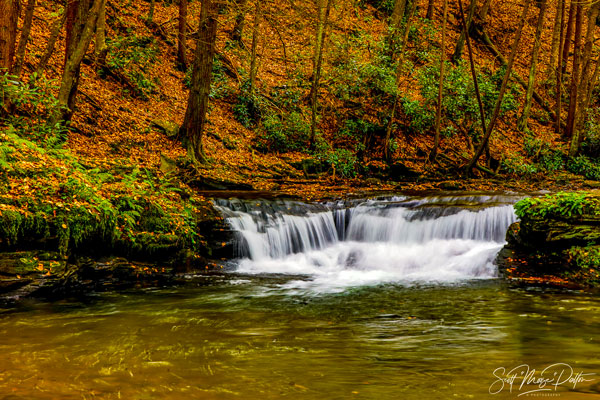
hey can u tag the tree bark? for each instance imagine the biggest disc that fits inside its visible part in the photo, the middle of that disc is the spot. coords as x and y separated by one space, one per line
240 20
101 50
77 45
194 123
567 40
559 71
54 32
255 33
473 75
395 24
573 92
438 115
430 7
507 73
388 129
323 6
522 122
27 20
556 33
9 16
151 11
181 35
584 83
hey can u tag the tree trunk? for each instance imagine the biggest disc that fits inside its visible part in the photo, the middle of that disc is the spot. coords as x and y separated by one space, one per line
474 76
9 16
556 33
559 73
395 25
522 122
240 20
584 83
77 17
430 7
151 11
101 49
54 32
77 45
573 92
324 6
255 32
460 43
507 73
438 115
195 119
181 35
27 20
388 130
568 33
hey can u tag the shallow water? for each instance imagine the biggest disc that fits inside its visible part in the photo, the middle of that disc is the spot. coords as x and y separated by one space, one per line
249 337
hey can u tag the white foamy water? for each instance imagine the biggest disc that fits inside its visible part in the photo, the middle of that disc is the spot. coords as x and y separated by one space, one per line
397 240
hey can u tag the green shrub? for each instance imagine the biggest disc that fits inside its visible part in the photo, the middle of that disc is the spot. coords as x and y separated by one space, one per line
546 158
288 132
249 108
583 165
131 56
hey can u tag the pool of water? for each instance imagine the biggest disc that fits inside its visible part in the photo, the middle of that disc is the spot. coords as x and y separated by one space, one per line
252 337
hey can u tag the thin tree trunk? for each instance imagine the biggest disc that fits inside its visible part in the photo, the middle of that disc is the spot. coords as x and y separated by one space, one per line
559 71
460 43
151 11
195 119
101 49
324 6
27 20
522 122
568 33
255 32
473 74
507 73
54 33
388 130
438 115
240 20
77 49
430 7
9 16
573 92
584 82
181 35
395 25
556 33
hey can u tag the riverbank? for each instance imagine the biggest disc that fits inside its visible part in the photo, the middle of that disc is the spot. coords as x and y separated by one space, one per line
556 241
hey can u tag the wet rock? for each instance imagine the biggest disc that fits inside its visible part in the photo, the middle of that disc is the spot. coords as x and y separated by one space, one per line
169 128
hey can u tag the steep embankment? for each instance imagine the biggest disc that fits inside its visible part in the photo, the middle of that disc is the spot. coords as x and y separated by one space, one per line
557 240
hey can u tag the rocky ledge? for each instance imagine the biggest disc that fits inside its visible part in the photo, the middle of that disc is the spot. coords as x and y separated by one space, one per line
556 241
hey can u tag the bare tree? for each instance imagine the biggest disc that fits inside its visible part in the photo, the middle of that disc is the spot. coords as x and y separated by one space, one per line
27 20
194 122
323 8
522 122
181 35
240 20
77 45
438 115
573 92
255 33
54 33
100 48
507 73
9 15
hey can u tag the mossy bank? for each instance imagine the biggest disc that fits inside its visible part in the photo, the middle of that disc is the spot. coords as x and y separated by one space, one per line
57 213
557 240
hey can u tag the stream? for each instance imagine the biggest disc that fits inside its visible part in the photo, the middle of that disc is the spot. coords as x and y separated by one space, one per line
395 297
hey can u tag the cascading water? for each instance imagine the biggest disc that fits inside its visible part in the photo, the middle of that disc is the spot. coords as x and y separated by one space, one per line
396 239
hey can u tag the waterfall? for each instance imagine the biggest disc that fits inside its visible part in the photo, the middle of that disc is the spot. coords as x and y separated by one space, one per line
393 239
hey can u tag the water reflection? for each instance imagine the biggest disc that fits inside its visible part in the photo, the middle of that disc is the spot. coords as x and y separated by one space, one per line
253 340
